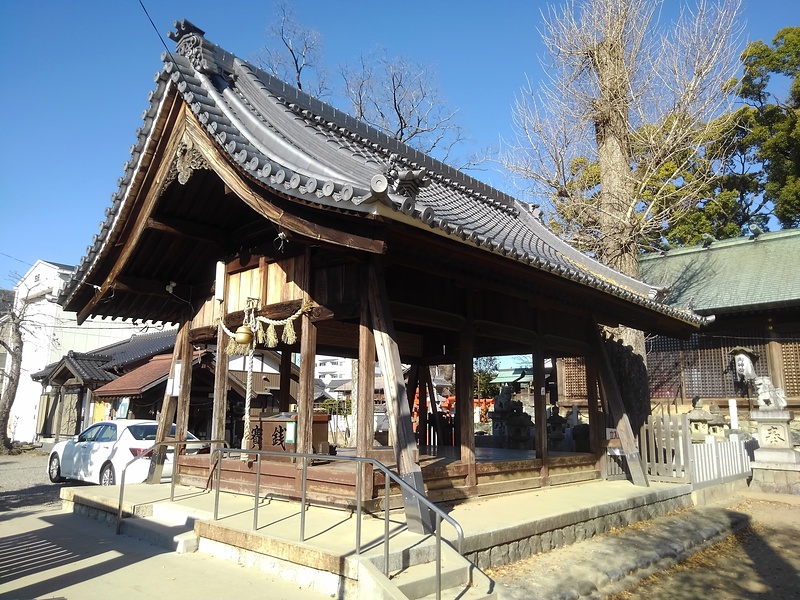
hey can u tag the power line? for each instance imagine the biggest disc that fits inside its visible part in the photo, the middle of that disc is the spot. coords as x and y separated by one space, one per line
16 259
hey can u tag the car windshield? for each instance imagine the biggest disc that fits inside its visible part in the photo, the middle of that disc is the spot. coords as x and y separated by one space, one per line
147 432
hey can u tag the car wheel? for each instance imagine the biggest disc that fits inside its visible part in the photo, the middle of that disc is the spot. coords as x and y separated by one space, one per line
107 475
54 469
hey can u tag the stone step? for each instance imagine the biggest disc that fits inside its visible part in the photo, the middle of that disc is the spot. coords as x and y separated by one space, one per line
459 579
175 532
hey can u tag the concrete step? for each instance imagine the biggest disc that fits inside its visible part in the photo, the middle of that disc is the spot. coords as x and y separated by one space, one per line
169 527
459 579
419 581
463 593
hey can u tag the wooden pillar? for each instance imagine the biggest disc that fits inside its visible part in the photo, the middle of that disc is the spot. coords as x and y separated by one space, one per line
184 398
60 413
286 398
169 405
220 408
365 422
465 411
613 397
418 517
425 385
540 404
308 352
597 424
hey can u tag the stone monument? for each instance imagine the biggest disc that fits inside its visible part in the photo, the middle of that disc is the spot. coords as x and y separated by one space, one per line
777 464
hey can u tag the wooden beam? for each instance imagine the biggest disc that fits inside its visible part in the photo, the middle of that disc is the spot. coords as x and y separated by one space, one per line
418 517
559 343
611 393
186 229
499 331
426 317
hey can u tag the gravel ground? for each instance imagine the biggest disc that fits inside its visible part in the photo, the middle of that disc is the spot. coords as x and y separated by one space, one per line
684 556
24 484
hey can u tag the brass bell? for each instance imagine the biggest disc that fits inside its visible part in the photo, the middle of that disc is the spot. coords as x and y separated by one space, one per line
244 335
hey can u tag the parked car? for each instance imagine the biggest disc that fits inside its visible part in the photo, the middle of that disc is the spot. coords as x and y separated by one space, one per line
101 452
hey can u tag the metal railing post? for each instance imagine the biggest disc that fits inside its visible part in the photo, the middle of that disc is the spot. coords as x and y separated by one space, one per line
258 493
359 485
386 525
438 557
217 480
303 478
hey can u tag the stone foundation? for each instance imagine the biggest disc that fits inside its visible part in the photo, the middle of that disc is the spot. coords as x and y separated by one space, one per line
580 528
775 478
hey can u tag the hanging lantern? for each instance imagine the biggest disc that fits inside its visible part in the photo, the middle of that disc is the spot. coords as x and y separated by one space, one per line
244 335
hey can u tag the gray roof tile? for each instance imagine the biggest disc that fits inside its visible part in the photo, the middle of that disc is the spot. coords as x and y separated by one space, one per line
301 147
731 275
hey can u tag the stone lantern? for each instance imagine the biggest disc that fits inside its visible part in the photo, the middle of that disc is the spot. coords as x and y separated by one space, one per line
698 420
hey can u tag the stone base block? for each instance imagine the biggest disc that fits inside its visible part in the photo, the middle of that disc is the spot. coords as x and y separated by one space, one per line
777 455
775 478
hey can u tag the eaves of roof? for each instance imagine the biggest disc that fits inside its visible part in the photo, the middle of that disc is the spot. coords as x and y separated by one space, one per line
299 147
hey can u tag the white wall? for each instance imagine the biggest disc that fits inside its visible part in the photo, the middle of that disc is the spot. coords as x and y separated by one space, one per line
50 333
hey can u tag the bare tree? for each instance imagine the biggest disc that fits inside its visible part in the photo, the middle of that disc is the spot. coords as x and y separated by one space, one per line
614 141
12 324
295 54
400 98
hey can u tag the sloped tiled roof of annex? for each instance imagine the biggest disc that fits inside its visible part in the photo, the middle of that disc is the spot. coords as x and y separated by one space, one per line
118 354
736 275
303 148
153 372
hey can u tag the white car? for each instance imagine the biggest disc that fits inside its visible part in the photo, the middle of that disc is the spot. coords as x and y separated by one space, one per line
101 452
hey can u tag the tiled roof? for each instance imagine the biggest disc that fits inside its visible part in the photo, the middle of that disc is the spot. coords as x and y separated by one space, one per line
88 367
300 147
139 346
98 365
741 274
141 379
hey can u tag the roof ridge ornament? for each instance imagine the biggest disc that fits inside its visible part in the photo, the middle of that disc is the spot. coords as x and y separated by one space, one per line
194 47
407 181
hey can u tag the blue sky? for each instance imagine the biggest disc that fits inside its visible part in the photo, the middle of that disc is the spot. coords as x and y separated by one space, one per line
77 74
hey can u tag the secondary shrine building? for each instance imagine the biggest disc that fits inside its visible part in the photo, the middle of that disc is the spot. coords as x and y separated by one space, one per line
249 203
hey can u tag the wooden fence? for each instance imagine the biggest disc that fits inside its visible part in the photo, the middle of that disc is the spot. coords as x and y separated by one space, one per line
668 455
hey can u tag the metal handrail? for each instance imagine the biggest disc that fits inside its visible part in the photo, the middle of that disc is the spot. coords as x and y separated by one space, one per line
147 454
388 475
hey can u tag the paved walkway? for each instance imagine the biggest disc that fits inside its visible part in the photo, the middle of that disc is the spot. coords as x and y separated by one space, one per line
50 554
57 554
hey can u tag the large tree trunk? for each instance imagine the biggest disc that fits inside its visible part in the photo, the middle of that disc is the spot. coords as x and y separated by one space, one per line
618 246
14 348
